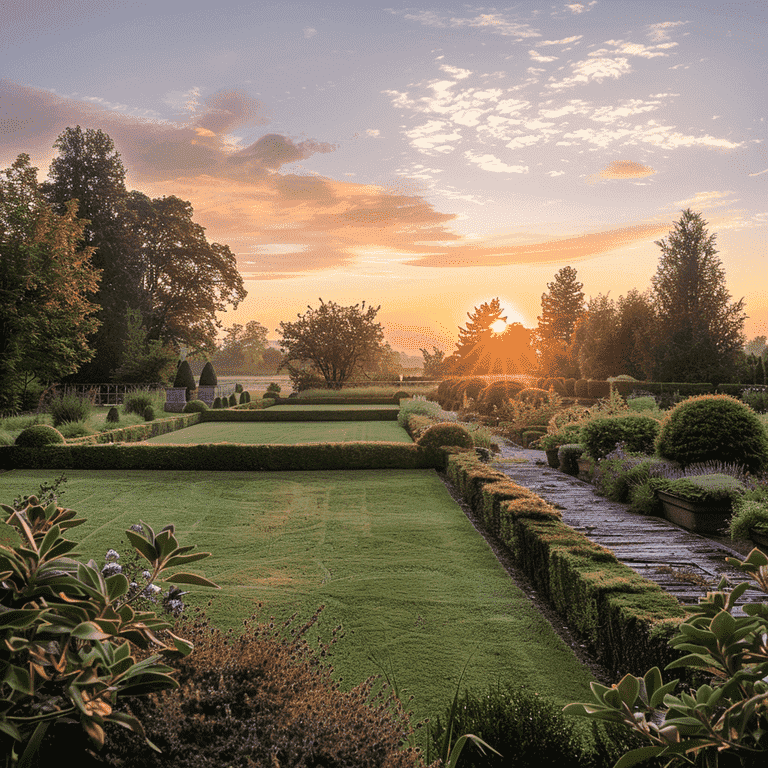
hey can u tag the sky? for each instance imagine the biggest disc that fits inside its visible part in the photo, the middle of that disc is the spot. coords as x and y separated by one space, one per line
421 157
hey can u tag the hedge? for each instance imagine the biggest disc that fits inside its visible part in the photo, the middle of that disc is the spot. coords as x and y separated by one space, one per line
266 414
139 432
626 619
223 457
299 401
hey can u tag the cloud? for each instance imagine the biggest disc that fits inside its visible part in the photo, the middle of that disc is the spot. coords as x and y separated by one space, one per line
456 72
594 69
705 200
626 169
494 23
564 251
580 8
536 56
183 101
564 41
492 163
309 32
660 32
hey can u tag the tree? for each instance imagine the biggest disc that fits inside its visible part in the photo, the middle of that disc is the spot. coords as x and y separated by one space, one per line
598 352
636 321
89 170
183 279
331 340
472 353
561 308
45 278
243 348
144 362
757 346
699 332
434 363
270 360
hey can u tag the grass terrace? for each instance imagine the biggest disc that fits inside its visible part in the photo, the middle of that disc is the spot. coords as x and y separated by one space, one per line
389 553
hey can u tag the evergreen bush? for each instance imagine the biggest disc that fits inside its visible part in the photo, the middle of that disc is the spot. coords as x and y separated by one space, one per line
195 406
444 434
713 427
637 432
113 416
569 455
184 378
498 393
217 403
208 376
149 413
533 395
232 400
38 435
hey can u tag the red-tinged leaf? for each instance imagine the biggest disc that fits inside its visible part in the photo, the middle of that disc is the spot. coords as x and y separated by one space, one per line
191 578
20 618
94 730
142 546
176 560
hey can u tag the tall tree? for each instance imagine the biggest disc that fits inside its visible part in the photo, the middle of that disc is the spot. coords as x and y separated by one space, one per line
243 348
473 353
89 169
598 351
699 330
332 340
561 309
434 363
636 321
45 278
183 279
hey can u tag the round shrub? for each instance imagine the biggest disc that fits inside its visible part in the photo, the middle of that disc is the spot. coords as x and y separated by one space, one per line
195 406
497 393
473 387
113 416
69 408
557 384
445 433
232 400
638 433
136 402
217 403
274 388
533 395
208 376
184 378
39 435
400 395
149 413
713 427
270 396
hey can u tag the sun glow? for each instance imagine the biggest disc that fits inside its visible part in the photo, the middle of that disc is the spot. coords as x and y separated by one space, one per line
499 326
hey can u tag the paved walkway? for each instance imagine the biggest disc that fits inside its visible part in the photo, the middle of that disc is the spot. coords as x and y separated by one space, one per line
685 564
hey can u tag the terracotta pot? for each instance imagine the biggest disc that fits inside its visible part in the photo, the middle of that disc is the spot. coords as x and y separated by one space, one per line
697 516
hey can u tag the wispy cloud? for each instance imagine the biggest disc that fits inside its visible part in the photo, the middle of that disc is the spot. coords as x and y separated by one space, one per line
309 32
660 32
495 23
626 169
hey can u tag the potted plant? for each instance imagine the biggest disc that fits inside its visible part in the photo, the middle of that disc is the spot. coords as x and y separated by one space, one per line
550 443
750 519
569 455
700 503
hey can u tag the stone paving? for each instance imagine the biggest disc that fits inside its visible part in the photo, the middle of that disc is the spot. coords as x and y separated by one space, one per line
685 564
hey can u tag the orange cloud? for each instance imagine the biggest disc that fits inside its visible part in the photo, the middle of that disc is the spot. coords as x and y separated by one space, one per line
626 169
565 250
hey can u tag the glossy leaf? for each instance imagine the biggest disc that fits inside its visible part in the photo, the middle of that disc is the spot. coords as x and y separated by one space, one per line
190 578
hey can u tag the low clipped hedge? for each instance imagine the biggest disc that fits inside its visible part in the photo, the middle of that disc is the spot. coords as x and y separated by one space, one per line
299 401
626 619
221 457
255 411
139 432
638 433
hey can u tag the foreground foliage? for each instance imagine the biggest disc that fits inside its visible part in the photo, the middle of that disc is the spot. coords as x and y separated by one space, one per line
723 722
68 632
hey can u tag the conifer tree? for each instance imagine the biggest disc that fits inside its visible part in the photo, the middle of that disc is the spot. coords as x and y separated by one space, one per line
699 332
472 350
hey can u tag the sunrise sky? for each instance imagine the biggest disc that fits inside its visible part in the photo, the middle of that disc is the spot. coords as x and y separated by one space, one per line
422 157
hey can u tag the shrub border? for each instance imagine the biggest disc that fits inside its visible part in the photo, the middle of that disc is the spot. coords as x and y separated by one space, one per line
626 619
266 414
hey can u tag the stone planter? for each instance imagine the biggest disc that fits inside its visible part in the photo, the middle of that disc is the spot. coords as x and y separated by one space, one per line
585 469
760 538
552 458
207 395
175 399
697 516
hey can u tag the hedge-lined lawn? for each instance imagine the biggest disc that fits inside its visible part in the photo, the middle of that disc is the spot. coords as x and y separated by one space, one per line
334 407
287 433
389 553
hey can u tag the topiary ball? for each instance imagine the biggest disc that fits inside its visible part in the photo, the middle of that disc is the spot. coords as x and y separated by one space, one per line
195 406
39 435
713 428
534 396
400 395
445 433
149 413
113 416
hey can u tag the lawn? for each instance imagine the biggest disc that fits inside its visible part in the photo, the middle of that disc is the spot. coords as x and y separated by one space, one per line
287 433
392 557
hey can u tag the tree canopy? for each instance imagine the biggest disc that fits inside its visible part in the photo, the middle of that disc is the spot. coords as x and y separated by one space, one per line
46 276
332 340
699 331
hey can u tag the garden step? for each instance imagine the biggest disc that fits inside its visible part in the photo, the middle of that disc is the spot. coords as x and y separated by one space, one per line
684 563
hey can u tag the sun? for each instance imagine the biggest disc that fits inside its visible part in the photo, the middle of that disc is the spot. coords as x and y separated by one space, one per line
499 326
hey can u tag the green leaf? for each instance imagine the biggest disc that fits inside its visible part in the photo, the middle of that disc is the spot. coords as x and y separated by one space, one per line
89 630
18 679
183 646
723 626
117 586
659 694
20 618
639 756
190 578
142 546
53 534
10 729
27 758
166 543
628 688
183 559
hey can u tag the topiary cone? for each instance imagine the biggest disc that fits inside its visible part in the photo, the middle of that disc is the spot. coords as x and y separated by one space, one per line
184 378
208 376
